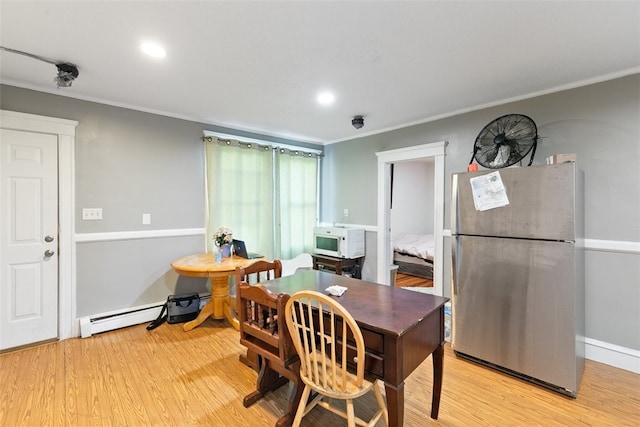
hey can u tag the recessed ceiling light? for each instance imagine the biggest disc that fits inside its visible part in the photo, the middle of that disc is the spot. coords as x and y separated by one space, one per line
153 49
326 98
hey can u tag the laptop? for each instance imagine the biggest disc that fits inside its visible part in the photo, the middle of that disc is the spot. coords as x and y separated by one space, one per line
240 249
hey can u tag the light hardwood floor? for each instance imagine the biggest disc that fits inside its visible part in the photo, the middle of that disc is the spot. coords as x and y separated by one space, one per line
406 280
168 377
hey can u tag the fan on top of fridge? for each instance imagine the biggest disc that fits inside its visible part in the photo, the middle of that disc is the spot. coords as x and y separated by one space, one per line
505 141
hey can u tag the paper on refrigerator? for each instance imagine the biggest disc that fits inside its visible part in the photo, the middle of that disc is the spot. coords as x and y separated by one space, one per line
488 191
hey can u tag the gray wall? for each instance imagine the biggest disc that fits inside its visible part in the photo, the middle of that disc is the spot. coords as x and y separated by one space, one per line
128 163
600 122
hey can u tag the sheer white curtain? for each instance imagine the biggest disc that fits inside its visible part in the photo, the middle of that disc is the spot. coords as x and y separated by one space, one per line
267 197
297 202
240 193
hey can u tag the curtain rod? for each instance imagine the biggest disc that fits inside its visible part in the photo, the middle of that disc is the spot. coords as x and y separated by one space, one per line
264 145
257 141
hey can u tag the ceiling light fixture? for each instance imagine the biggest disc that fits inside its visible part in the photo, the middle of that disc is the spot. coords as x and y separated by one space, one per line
326 98
67 72
153 49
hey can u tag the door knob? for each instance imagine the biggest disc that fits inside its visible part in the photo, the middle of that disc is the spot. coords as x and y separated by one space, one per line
48 239
48 253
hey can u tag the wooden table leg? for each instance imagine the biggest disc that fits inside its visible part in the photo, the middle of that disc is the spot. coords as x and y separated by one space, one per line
219 305
438 359
229 315
204 314
219 295
395 403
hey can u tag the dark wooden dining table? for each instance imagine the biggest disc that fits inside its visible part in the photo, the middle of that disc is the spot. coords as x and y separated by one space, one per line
401 329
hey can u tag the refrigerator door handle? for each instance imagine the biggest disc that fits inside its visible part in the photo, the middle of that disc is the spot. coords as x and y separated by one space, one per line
454 204
455 262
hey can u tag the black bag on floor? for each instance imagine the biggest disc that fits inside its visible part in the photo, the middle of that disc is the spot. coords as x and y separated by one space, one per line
182 308
178 308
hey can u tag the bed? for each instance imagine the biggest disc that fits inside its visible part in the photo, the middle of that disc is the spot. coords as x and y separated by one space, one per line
413 254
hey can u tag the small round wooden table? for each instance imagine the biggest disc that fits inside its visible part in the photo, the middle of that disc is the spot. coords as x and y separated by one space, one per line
204 265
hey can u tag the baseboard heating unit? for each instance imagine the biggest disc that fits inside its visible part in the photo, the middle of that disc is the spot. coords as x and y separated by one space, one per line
118 319
131 316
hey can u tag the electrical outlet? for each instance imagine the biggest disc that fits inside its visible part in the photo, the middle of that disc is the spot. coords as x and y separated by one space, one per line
146 219
346 213
91 214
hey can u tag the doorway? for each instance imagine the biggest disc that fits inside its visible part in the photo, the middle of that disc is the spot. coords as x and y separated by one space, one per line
61 134
436 152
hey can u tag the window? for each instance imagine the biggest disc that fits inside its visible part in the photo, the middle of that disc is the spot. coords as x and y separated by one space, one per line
266 195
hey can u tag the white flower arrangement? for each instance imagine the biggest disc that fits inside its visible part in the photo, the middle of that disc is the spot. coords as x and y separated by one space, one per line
223 235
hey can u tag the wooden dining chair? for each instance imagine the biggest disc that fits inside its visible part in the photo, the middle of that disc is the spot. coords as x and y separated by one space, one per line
264 332
258 272
318 325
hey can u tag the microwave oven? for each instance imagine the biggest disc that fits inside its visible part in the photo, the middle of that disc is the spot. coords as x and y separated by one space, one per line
339 242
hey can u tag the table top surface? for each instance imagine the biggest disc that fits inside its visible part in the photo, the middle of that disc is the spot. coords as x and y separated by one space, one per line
204 263
383 308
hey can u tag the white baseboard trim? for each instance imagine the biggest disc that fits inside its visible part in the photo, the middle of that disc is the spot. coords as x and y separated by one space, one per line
613 355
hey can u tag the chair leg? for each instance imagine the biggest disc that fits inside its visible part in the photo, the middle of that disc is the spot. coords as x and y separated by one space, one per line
295 396
381 403
302 406
351 416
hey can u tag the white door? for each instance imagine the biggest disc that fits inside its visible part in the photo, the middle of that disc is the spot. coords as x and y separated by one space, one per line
28 237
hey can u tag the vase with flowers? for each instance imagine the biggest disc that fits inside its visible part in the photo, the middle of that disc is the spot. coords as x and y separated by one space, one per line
222 238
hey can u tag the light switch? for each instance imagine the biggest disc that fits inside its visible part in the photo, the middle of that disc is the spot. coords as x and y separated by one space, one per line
146 219
91 214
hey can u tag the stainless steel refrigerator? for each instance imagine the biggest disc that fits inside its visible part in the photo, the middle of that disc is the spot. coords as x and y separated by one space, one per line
518 272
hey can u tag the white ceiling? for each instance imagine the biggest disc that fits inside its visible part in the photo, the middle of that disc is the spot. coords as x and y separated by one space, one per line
257 66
